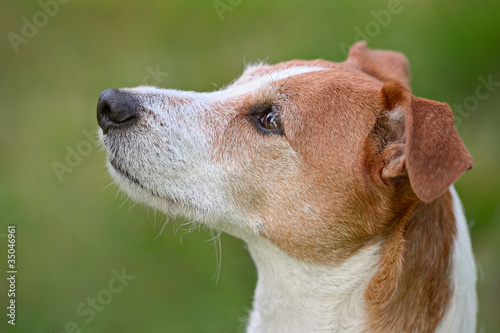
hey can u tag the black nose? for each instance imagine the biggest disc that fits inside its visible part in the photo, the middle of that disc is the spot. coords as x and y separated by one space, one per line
116 109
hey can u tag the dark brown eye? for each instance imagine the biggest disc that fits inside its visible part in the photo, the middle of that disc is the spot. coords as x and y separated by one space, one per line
266 119
270 121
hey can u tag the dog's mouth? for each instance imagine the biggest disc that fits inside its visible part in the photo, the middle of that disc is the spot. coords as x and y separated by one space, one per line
124 172
113 142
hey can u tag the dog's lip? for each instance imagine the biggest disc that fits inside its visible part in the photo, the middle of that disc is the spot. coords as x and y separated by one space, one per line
126 174
123 172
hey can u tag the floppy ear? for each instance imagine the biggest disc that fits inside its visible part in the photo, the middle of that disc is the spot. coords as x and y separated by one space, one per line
383 65
420 141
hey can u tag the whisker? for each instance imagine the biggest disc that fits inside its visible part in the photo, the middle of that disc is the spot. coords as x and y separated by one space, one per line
124 202
106 187
218 255
162 228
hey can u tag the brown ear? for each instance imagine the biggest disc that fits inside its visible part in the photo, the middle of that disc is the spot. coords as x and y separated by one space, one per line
384 65
430 149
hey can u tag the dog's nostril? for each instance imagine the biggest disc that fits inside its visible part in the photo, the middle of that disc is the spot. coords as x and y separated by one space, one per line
103 110
116 109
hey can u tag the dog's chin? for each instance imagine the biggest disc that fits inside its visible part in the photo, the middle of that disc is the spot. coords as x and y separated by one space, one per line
138 192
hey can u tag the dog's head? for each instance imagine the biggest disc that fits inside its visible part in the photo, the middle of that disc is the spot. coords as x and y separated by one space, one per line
310 155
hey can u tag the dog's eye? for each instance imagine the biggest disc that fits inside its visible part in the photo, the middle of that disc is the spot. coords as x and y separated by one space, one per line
266 119
270 121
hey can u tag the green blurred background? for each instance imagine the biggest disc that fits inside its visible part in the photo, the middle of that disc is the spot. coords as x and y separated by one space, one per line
73 230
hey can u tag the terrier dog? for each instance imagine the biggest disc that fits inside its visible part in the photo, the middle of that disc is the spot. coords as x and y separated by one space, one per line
334 174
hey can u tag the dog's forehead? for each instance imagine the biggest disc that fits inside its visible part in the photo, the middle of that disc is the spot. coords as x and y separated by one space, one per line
259 76
261 73
292 67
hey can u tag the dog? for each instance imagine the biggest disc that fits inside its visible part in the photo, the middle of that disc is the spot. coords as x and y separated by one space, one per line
339 180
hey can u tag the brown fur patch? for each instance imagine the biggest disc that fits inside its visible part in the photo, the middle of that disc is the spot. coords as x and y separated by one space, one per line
411 290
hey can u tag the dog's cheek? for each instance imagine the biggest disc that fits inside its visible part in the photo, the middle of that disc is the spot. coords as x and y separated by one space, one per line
258 172
271 195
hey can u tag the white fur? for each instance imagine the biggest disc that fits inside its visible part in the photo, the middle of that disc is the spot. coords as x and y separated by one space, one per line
295 296
171 163
461 314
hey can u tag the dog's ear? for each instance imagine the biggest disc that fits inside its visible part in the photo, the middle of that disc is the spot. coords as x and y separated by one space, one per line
384 65
417 139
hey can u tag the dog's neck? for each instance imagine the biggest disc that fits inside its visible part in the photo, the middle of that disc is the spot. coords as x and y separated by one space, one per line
295 296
